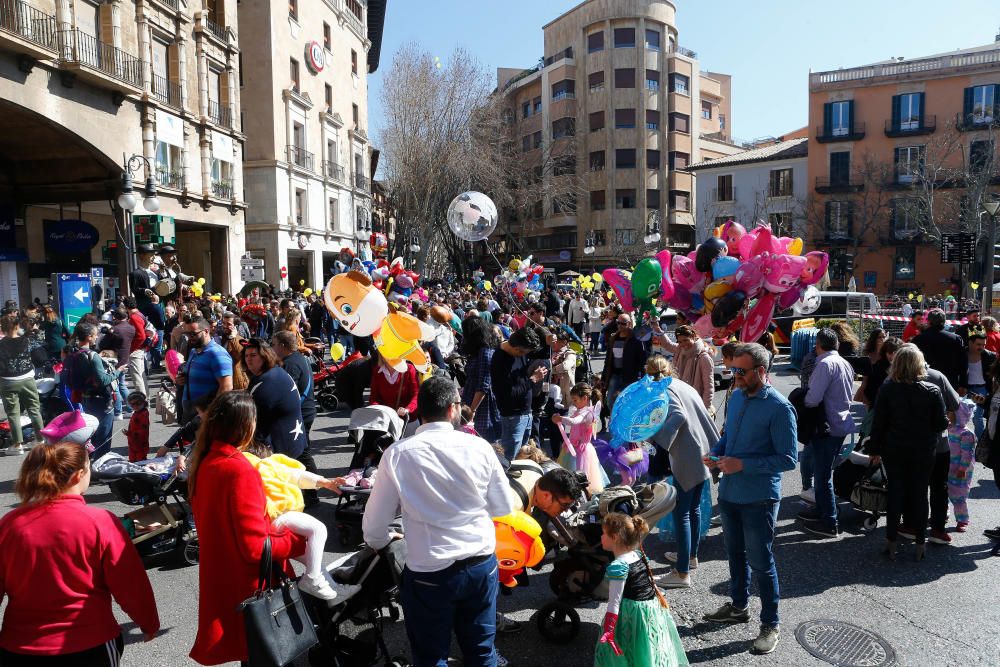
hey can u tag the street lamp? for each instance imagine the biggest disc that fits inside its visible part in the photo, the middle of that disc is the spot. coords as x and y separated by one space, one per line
991 208
128 200
414 244
588 244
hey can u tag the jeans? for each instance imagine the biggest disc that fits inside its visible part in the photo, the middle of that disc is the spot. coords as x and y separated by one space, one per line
825 450
748 530
121 396
615 386
462 598
939 492
687 525
909 474
578 329
806 467
103 409
595 340
979 416
156 352
514 433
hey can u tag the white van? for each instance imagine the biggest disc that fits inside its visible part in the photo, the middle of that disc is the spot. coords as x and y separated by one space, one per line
839 304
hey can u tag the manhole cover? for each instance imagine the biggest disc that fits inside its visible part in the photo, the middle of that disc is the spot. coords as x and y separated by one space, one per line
844 645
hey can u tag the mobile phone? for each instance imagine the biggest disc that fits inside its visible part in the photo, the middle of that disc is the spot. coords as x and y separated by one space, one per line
713 458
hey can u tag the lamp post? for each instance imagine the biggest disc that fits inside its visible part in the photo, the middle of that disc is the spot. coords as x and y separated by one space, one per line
991 208
128 200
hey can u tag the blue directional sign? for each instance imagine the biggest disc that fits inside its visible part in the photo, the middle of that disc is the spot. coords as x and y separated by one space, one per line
73 296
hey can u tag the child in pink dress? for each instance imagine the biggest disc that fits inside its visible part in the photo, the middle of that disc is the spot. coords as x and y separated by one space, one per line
578 449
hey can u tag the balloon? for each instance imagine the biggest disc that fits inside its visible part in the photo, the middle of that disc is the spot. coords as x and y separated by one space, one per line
748 277
519 545
472 216
514 264
337 351
795 247
173 360
76 427
639 411
727 308
920 298
685 274
646 283
308 291
725 267
713 292
201 281
758 318
610 294
597 278
354 302
487 285
703 326
707 252
620 281
974 286
398 341
809 301
732 233
301 283
782 272
815 267
667 282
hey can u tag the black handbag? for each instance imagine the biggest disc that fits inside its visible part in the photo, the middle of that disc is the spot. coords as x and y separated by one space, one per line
278 627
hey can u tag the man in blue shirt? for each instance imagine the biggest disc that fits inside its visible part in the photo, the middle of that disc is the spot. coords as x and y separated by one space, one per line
208 369
757 446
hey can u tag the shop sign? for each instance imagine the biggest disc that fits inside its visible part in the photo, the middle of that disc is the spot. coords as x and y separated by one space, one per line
70 237
315 57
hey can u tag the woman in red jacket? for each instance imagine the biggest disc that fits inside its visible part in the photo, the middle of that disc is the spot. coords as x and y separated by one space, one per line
227 498
395 389
61 562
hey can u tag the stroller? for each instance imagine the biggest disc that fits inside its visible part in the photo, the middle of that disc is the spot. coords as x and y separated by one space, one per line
578 576
863 485
325 381
378 573
372 429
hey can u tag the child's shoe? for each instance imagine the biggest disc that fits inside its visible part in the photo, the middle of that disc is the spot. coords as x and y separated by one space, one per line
962 526
317 586
353 477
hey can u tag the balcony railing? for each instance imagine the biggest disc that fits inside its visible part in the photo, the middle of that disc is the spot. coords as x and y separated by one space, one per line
723 194
166 91
562 55
216 29
334 171
976 121
827 135
219 114
827 185
19 18
300 157
361 182
173 4
76 46
170 178
223 189
926 125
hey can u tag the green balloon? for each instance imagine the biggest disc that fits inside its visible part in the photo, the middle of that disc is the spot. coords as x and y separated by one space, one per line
646 280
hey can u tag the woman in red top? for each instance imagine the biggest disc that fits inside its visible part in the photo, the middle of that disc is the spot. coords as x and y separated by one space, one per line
227 498
61 562
992 334
395 389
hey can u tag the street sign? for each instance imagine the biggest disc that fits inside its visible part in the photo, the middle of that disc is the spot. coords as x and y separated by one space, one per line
251 262
871 279
958 248
97 286
72 296
251 273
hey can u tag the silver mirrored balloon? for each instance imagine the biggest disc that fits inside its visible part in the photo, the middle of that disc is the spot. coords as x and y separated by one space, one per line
808 302
472 216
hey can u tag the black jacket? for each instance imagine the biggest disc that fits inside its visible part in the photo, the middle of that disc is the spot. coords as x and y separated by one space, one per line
908 419
633 361
944 351
988 358
512 387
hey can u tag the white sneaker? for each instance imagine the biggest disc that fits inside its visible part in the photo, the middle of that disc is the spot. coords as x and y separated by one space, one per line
809 495
317 586
671 557
14 450
673 580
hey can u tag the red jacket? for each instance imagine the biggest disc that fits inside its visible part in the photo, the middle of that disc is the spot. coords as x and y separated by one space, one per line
60 564
395 395
139 322
138 435
230 512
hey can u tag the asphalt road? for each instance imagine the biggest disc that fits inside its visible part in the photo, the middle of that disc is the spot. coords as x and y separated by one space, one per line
941 611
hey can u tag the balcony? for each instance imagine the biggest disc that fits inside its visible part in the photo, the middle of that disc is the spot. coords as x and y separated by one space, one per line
826 185
27 30
99 63
926 125
219 114
562 55
166 91
334 171
170 178
825 135
223 189
361 183
976 121
217 30
300 157
723 194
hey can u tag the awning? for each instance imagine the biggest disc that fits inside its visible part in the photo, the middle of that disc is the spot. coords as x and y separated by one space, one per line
222 146
169 128
570 274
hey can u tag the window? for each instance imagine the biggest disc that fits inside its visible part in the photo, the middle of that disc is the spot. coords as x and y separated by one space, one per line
334 213
680 84
838 220
536 210
563 127
624 158
293 70
597 161
652 80
909 161
908 111
169 168
565 205
981 157
838 123
624 38
564 165
652 119
356 9
536 139
526 109
354 62
781 223
331 150
624 198
680 200
355 114
300 206
596 121
595 42
293 9
706 110
780 183
906 218
679 160
565 89
624 118
526 143
327 41
653 40
596 81
652 159
652 198
537 105
722 121
600 237
840 168
597 200
625 78
981 104
724 190
680 122
905 265
328 97
626 236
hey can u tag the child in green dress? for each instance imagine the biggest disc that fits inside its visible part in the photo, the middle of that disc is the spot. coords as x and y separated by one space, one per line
638 629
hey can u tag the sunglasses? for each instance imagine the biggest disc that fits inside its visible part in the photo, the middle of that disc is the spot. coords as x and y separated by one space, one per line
742 372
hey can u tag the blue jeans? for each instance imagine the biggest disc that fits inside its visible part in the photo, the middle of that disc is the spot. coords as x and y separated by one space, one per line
595 340
462 598
806 467
514 433
103 409
121 396
687 525
748 530
824 453
979 416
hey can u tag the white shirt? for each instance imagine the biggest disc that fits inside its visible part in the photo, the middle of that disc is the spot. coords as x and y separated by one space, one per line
449 486
907 310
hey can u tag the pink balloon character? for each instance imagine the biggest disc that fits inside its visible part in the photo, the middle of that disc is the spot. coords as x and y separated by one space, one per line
732 233
685 274
815 268
667 285
620 282
703 325
749 278
758 318
781 272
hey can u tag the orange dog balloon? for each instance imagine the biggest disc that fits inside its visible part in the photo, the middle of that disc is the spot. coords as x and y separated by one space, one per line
519 545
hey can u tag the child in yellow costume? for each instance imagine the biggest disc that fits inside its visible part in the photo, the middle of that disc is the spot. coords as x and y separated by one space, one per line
284 478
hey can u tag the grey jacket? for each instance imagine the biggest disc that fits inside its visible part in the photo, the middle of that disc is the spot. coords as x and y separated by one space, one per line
938 379
687 434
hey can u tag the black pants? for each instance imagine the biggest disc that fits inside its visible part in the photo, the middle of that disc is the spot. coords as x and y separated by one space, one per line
309 496
909 476
939 492
107 654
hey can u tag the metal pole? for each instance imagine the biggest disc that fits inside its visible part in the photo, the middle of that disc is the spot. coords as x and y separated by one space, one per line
987 305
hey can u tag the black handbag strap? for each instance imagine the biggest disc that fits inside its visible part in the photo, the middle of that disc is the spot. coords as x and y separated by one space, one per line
266 565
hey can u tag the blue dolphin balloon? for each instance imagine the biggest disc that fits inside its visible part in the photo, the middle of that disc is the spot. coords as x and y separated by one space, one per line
639 411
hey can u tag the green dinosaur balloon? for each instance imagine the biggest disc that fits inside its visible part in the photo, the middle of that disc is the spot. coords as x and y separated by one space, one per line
646 280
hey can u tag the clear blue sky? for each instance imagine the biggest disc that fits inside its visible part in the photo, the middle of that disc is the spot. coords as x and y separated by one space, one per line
768 46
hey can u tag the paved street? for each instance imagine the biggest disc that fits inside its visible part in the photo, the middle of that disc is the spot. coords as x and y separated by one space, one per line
938 612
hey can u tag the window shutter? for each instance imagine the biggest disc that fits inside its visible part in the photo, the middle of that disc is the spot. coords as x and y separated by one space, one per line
850 117
996 102
895 163
920 102
892 220
827 119
827 213
967 106
850 219
895 112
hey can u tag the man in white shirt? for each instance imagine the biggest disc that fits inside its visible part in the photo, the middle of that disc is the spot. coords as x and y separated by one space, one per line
449 486
579 313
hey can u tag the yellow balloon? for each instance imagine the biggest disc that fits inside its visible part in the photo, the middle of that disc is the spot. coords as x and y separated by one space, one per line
597 278
487 285
910 295
610 294
201 281
920 298
308 292
974 285
337 351
795 247
301 283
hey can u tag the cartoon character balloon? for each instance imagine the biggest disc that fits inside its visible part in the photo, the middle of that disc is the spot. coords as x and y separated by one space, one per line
620 281
519 545
472 216
398 341
355 303
647 282
815 268
639 411
732 233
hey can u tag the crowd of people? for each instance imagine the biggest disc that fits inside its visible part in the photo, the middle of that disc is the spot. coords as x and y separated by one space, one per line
511 381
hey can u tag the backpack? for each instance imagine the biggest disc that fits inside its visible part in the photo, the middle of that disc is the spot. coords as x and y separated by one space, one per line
79 375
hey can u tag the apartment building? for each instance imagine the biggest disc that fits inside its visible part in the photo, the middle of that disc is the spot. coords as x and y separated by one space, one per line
84 85
309 158
900 152
618 108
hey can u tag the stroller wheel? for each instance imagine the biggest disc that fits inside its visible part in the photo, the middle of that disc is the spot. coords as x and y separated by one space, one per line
558 622
399 661
329 402
190 552
871 522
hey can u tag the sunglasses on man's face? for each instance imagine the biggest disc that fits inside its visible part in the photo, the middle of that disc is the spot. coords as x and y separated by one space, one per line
742 372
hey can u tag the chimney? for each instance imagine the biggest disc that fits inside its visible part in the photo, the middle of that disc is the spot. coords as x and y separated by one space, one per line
997 38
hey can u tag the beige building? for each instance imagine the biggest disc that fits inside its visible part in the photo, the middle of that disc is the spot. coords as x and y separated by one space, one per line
308 164
84 84
618 101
